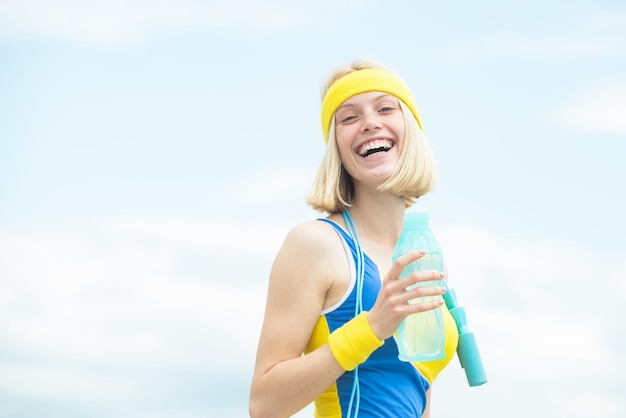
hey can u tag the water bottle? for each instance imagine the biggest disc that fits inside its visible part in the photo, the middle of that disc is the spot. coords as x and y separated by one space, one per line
421 336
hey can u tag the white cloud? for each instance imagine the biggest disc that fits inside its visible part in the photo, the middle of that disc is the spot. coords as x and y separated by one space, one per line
83 301
591 403
601 35
121 21
271 187
607 21
245 237
62 382
519 47
600 109
92 21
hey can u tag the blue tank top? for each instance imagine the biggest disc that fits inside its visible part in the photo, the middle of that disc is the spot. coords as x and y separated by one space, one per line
388 386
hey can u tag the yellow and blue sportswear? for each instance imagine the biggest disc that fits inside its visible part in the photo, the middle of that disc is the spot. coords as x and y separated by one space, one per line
388 386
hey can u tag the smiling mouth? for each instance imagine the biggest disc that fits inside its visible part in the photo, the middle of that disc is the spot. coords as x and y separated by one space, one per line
376 147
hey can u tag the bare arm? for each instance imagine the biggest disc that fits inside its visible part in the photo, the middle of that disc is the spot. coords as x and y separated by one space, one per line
426 413
284 380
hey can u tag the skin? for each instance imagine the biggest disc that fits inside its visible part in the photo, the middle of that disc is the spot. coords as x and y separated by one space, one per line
311 271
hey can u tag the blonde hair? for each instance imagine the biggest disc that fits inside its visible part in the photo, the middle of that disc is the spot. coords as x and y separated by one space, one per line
333 189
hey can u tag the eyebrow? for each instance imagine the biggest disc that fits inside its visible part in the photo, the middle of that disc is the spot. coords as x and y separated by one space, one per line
382 95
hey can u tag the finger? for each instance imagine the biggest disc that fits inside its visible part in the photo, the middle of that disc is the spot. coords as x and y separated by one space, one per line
421 276
415 294
404 260
425 306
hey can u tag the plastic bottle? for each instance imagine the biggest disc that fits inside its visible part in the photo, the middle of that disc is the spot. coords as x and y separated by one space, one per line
421 336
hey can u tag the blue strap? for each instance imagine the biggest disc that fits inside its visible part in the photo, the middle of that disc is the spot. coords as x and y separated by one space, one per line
358 306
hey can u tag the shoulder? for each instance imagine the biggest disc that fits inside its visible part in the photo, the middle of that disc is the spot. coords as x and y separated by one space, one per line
313 235
310 262
314 245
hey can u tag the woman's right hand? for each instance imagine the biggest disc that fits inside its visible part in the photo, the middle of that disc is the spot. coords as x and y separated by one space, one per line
392 304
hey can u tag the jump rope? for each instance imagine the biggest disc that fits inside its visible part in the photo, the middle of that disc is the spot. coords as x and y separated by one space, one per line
355 396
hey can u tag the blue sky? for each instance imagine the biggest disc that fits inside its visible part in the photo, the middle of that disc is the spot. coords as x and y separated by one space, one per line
153 155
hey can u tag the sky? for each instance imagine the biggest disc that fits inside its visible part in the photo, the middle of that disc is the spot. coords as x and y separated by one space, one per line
153 156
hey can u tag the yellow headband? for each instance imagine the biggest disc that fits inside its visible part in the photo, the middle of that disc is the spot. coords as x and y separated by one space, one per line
362 81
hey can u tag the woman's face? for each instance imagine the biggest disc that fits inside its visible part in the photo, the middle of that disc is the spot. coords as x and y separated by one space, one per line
369 128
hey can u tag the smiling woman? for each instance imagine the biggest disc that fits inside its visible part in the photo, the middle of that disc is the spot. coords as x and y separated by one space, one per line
329 297
415 172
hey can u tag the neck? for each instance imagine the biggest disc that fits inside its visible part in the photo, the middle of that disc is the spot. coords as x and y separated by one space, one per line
378 217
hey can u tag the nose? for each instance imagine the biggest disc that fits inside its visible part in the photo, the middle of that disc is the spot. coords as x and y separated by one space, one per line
371 122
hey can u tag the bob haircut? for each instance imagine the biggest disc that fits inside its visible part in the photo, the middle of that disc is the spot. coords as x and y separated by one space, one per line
415 175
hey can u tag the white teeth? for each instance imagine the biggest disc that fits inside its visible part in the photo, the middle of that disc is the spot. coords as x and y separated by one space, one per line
378 144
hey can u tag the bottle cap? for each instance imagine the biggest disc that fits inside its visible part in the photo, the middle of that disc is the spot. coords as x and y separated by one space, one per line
415 220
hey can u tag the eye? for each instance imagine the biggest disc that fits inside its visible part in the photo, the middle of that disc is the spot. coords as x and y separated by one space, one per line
347 118
386 109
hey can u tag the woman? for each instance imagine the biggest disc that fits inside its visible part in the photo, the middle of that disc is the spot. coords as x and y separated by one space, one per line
327 337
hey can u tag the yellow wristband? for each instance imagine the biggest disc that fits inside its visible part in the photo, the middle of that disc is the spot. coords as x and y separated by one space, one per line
352 343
